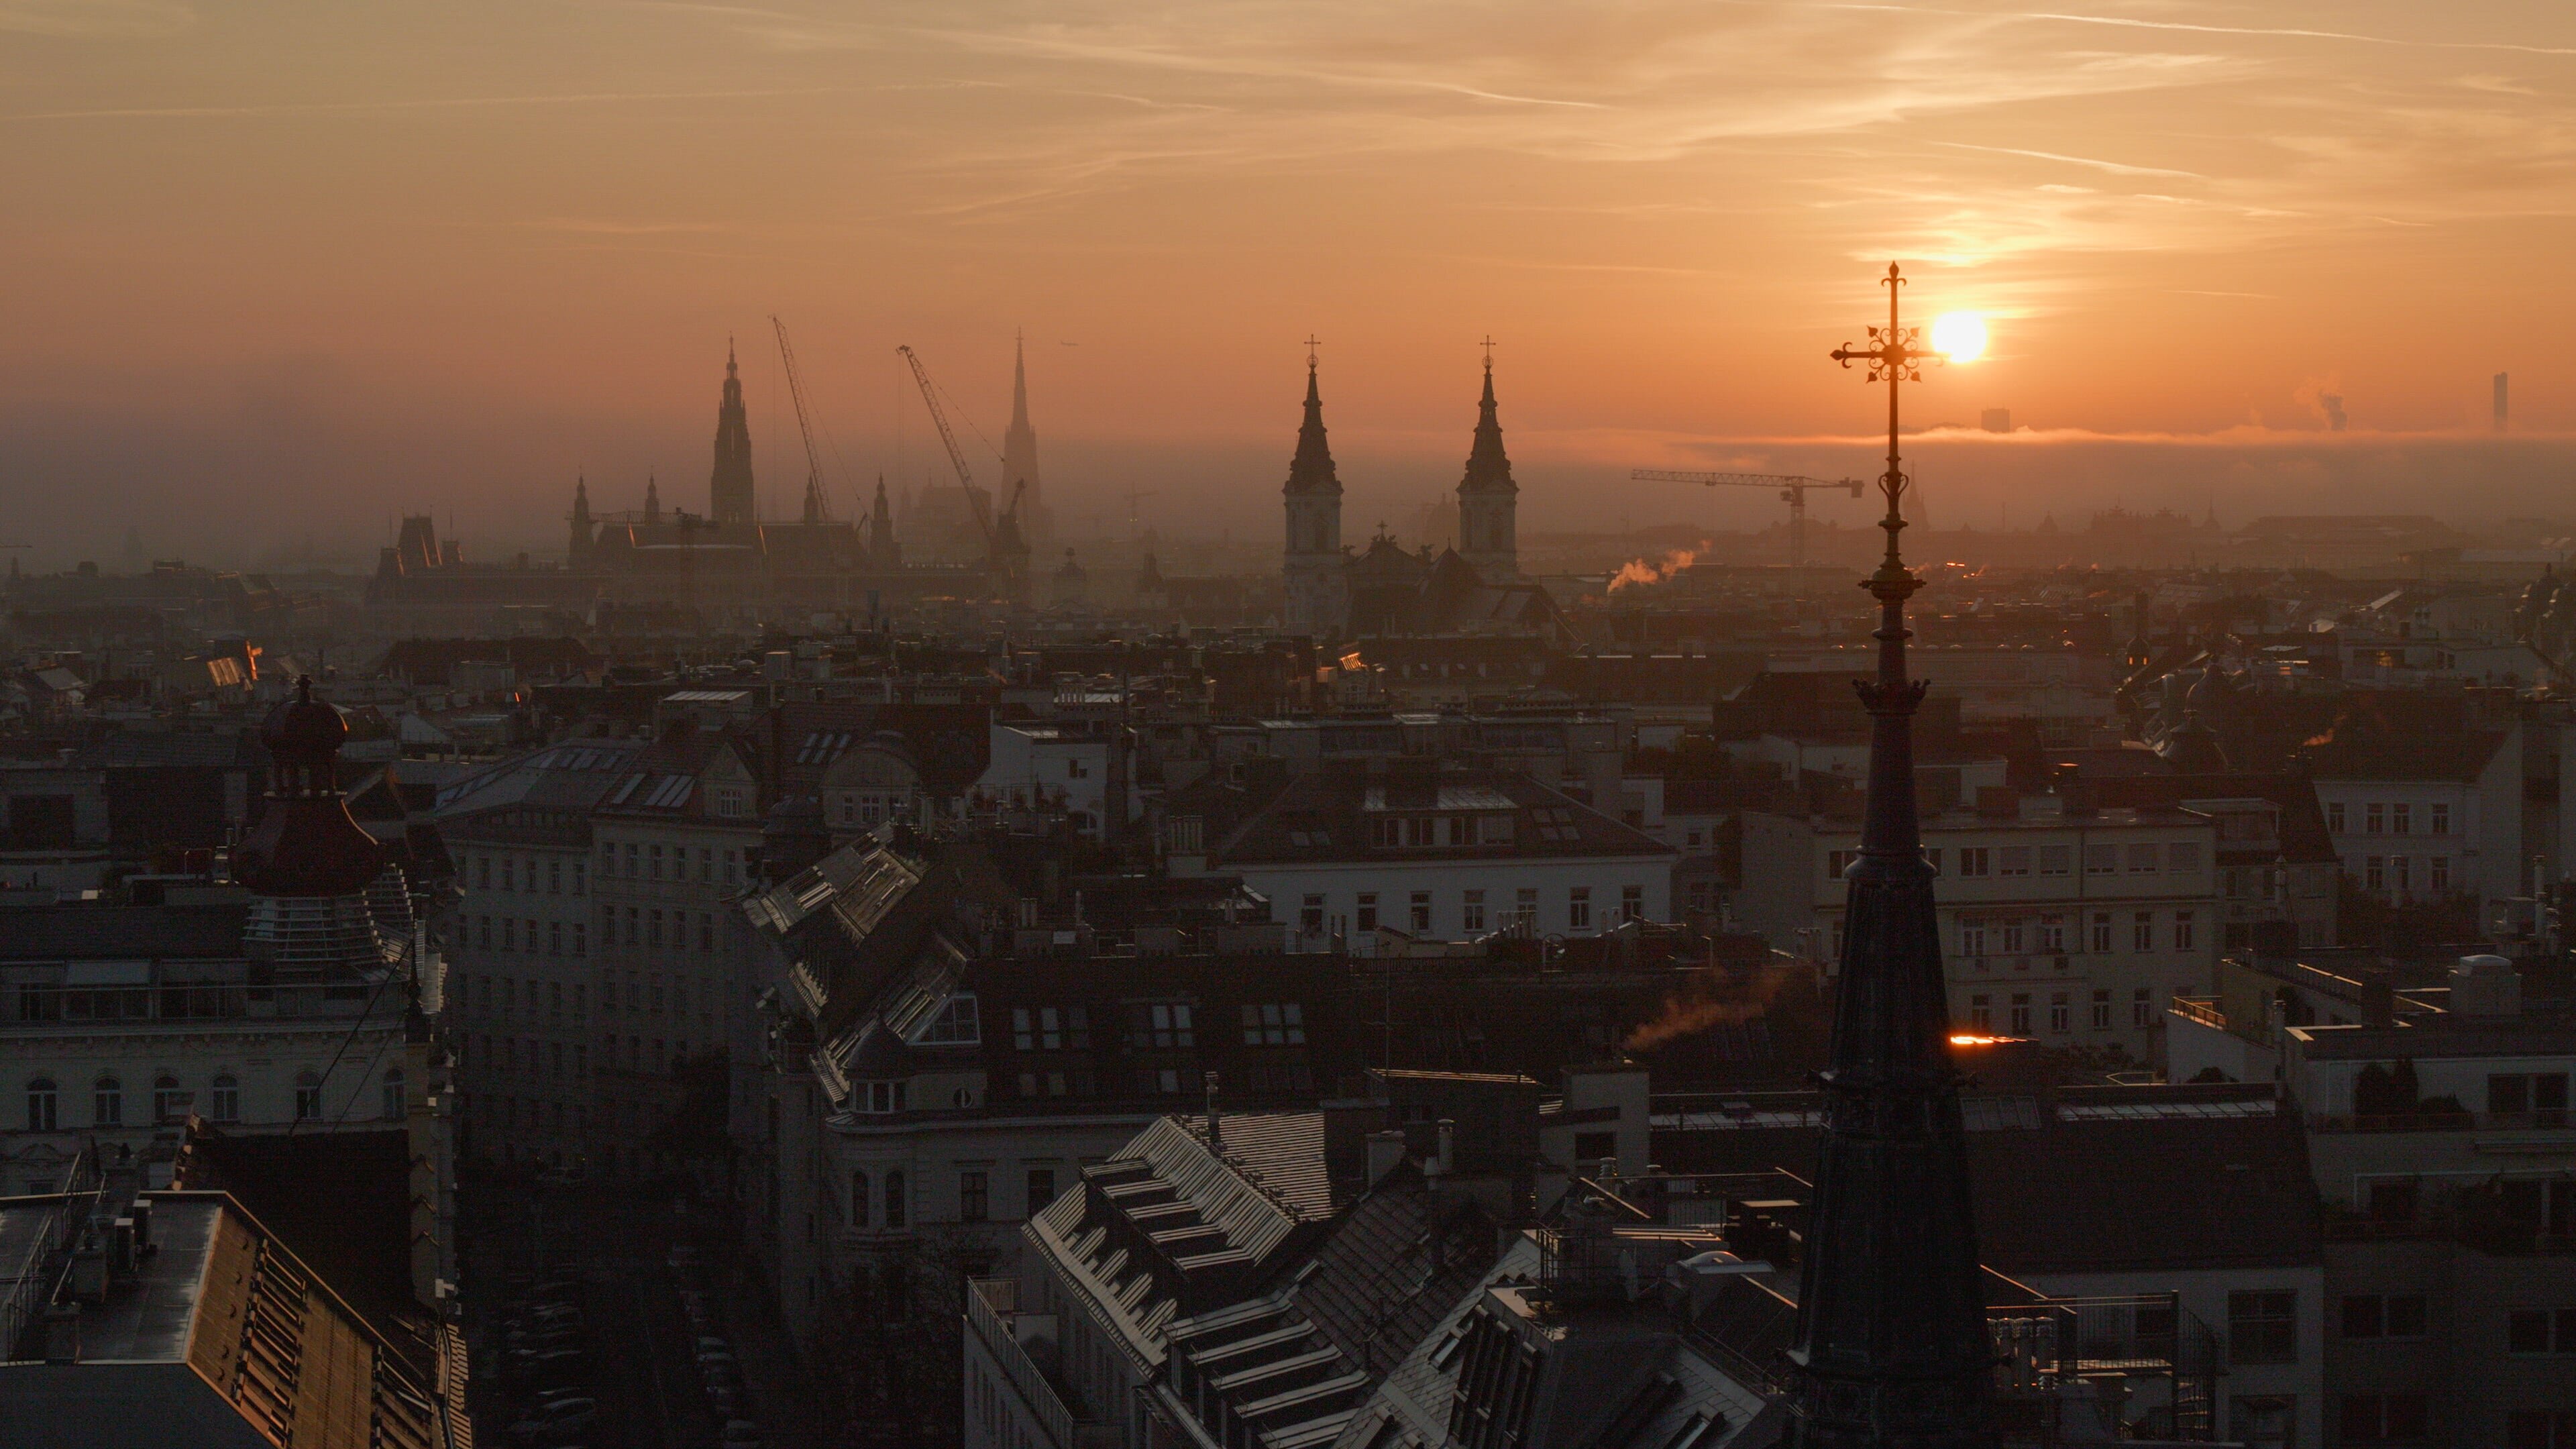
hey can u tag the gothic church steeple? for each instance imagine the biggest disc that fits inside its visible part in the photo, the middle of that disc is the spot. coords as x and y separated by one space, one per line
1315 572
729 488
1488 499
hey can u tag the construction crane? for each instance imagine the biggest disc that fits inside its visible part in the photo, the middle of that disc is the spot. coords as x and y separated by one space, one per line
948 436
1793 491
818 502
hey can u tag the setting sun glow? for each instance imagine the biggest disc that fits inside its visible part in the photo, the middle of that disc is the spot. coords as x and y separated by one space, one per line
1959 336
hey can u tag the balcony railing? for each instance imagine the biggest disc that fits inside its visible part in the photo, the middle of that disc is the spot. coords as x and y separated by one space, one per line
2200 1009
33 1279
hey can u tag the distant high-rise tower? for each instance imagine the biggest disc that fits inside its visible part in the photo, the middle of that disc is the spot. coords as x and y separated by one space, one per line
729 489
1488 499
577 551
1317 575
2500 413
1020 450
652 499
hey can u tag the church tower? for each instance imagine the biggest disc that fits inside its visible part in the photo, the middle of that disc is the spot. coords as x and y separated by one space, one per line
729 495
1020 451
652 499
1488 537
577 554
883 551
1317 575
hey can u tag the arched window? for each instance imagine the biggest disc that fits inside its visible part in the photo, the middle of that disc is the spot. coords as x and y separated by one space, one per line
226 1103
169 1104
107 1103
308 1095
40 1105
858 1199
894 1204
395 1106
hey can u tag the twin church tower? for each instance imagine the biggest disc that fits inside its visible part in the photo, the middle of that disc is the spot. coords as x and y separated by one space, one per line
1317 570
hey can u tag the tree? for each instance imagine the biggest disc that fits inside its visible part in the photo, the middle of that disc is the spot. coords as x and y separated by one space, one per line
889 1364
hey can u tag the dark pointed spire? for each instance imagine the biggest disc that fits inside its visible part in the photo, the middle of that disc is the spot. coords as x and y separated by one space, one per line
1311 471
1488 469
652 498
729 486
1891 1344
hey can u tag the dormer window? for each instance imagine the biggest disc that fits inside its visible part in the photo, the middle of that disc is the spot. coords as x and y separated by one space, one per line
876 1099
957 1024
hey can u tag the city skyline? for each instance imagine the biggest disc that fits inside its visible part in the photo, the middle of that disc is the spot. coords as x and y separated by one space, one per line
450 261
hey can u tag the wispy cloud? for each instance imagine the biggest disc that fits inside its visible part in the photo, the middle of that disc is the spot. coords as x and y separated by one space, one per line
2116 168
264 109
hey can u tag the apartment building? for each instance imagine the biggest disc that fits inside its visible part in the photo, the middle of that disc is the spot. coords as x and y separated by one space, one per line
2073 928
2425 818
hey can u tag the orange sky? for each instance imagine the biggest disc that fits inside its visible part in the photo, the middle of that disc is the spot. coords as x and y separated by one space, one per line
280 269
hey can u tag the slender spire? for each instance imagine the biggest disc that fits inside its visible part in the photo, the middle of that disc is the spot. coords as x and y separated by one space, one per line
1311 471
1020 447
729 486
1891 1344
1019 379
1489 470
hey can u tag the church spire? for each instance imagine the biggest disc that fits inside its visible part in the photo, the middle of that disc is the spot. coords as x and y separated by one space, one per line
1488 527
1020 450
1891 1346
729 487
1311 471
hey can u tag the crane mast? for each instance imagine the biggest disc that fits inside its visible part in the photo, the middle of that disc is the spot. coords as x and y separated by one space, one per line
818 502
1793 491
948 437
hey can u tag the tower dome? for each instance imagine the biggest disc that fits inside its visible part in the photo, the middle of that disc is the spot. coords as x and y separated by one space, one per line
306 844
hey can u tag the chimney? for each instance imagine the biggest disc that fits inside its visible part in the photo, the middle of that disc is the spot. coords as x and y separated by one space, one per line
1448 1151
1216 1135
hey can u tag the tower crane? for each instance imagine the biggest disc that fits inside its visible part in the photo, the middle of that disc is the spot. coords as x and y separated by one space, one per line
818 503
1793 491
948 436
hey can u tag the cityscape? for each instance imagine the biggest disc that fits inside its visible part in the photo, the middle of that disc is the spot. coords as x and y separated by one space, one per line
650 839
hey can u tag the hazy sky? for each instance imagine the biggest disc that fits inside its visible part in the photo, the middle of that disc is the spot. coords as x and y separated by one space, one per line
279 270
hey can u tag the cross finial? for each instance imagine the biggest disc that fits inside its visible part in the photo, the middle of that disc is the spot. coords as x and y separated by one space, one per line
1489 352
1311 345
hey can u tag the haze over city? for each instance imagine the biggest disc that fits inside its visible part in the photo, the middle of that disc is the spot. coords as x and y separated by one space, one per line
282 273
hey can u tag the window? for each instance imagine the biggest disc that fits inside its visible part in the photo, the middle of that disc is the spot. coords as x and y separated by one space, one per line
2142 1008
1632 903
2055 859
482 872
1041 1188
1525 908
225 1099
395 1107
2402 870
2264 1421
2183 933
2052 934
2263 1327
2374 819
2371 1418
2142 931
1421 918
2101 860
40 1105
1972 938
2374 872
1310 917
1274 1024
874 1098
2059 1013
1049 1027
895 1203
1160 1024
1839 861
1367 914
308 1096
2401 819
107 1103
858 1199
1975 860
2437 874
1981 1014
973 1196
2508 1095
169 1104
2021 1013
2015 860
2142 860
1472 912
957 1024
2182 857
2102 933
2441 820
2013 934
2102 1011
2383 1315
1578 909
2334 817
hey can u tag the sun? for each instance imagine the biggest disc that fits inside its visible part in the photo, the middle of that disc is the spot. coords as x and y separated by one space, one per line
1959 336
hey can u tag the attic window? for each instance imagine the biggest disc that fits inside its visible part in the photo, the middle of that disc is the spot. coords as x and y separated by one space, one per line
877 1099
955 1025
